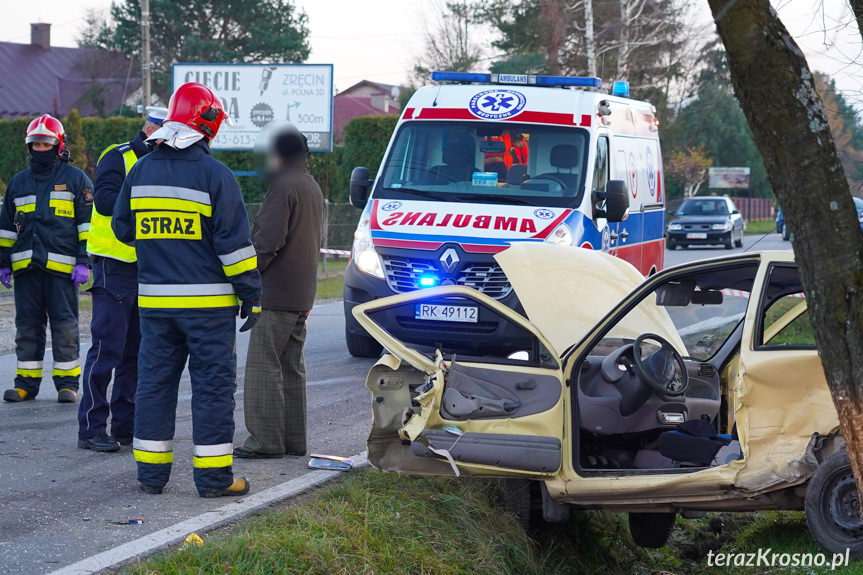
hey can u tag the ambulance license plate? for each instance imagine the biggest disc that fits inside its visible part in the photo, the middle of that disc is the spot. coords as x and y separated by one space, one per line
696 236
457 313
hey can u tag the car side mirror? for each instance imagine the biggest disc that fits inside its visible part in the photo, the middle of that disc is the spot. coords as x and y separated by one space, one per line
735 212
615 199
360 186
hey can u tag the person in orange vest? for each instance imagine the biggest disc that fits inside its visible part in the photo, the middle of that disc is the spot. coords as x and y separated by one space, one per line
115 328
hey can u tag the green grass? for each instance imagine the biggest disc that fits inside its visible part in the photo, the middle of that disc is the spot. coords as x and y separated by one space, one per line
330 288
760 228
386 524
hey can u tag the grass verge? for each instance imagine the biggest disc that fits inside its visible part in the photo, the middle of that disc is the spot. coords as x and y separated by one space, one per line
385 524
760 228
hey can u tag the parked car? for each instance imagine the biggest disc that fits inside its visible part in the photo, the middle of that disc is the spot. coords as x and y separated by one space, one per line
786 235
622 393
706 221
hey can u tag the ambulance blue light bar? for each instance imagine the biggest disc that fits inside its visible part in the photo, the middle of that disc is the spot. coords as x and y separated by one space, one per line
620 88
517 79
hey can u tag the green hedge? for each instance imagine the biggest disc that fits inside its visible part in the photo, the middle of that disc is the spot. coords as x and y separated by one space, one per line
366 139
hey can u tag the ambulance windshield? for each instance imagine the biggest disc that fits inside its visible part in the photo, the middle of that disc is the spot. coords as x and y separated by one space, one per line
501 162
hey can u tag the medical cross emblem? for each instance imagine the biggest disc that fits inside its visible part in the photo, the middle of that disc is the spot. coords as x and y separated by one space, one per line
497 104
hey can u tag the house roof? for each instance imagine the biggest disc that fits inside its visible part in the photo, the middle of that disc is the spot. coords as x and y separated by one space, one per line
34 81
346 108
379 86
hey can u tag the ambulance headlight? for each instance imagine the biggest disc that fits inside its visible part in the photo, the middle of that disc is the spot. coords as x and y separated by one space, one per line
675 227
724 227
561 236
366 258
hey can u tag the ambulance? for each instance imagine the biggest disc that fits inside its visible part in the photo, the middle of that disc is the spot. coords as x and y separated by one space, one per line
480 162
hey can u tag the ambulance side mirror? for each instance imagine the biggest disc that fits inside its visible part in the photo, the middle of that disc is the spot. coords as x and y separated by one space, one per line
360 186
613 203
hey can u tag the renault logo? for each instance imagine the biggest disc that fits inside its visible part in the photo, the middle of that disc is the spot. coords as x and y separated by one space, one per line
449 260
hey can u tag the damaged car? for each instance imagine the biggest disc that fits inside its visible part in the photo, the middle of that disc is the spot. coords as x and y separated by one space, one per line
697 389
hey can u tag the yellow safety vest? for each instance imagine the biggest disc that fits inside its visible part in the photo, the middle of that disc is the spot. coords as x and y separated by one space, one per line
102 241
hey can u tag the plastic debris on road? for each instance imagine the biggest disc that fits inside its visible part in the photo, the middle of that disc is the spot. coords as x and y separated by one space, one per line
128 522
193 539
331 462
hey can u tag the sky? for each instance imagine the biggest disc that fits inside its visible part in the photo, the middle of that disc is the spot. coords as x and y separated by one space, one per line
380 39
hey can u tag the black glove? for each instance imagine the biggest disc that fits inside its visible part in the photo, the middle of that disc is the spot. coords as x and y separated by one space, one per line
251 312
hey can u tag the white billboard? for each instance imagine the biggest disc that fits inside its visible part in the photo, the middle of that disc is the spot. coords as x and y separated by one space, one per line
728 178
257 94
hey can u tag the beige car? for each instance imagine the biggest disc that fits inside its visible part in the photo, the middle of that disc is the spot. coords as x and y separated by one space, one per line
698 389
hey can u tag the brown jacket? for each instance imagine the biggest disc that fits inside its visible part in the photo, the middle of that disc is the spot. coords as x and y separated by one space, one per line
287 238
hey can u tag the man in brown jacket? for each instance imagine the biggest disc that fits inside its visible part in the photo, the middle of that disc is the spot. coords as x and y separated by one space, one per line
287 239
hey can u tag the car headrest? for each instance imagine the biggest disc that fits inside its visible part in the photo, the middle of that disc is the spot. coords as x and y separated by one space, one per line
459 154
565 156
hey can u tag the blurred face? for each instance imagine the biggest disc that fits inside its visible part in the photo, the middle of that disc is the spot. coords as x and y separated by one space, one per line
41 146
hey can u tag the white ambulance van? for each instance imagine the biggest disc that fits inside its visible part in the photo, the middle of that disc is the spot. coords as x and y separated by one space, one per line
482 161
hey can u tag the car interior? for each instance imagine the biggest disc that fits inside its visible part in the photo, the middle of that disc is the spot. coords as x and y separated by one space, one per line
647 401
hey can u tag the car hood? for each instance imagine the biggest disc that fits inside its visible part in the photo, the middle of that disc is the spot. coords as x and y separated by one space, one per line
700 219
566 291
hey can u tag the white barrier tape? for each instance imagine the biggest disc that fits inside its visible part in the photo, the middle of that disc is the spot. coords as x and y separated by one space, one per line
342 253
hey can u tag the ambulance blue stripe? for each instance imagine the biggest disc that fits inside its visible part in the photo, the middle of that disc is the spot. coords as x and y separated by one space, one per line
457 239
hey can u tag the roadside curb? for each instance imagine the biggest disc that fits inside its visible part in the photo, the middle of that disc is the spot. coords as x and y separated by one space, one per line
232 512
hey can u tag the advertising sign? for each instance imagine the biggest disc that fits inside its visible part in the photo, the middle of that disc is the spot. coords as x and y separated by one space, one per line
256 94
729 178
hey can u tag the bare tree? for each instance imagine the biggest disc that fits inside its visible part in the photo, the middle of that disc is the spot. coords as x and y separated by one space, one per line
449 41
776 90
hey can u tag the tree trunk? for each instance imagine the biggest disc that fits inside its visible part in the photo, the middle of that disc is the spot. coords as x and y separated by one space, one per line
857 8
589 38
624 49
776 90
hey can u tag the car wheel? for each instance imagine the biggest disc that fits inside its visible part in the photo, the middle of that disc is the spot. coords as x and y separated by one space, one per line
833 506
516 497
785 234
651 530
739 242
670 245
729 241
362 345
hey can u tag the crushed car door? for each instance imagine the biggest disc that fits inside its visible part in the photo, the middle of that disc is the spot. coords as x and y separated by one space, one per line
495 409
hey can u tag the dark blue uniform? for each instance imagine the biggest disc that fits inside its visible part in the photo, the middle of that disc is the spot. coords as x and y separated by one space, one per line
115 328
185 214
44 225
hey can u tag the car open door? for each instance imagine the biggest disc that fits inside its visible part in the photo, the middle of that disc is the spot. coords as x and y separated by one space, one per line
497 412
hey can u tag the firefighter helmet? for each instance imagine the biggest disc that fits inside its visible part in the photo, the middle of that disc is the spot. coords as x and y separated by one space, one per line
46 128
196 106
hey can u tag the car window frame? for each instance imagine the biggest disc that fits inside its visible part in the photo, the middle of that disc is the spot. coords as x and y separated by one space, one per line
758 339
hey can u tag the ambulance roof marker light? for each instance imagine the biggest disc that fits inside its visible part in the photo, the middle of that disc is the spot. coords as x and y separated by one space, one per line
517 79
621 89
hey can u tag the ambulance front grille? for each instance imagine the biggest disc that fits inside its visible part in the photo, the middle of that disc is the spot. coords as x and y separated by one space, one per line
403 275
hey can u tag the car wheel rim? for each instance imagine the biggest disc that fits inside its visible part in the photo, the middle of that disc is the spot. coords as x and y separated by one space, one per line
844 505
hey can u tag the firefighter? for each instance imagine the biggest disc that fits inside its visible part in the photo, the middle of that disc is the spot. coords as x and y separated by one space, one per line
43 233
185 214
114 327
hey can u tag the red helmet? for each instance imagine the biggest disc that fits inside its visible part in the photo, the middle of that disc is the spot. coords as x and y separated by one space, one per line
196 106
46 128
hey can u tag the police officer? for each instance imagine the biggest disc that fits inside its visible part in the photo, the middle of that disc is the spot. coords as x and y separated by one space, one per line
185 214
115 330
43 233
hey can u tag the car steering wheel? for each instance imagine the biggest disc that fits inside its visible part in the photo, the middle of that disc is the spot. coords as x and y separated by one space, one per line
663 370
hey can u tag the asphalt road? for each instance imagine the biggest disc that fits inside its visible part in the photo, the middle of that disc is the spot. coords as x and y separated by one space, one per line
57 502
750 243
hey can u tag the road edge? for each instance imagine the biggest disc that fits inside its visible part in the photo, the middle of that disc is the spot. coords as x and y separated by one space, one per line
205 522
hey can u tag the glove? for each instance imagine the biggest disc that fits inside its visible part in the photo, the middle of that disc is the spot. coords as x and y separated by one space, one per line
80 274
251 312
6 277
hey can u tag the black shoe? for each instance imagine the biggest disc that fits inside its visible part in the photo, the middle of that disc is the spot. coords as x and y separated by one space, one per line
150 489
296 453
240 486
102 443
17 394
123 439
66 396
244 453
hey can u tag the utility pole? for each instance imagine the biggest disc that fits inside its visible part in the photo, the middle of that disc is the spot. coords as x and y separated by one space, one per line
145 50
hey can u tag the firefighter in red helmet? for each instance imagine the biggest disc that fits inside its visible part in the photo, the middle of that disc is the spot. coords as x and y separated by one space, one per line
44 225
196 266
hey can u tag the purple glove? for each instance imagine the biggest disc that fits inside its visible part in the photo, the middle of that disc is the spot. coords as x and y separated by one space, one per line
6 277
80 275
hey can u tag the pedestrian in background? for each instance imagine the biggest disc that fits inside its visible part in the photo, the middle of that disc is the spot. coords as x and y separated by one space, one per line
287 238
185 214
114 327
44 226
